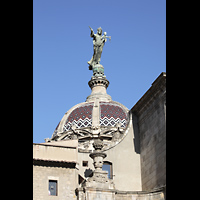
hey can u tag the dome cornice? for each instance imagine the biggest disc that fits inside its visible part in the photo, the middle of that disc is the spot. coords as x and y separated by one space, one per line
98 81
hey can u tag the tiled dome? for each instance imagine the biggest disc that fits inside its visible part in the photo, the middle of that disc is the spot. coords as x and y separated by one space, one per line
81 116
112 113
97 117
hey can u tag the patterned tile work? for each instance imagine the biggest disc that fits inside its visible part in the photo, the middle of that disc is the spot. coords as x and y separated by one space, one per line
81 116
112 113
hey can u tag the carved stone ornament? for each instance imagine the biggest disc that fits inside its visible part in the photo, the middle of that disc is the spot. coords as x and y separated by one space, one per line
98 144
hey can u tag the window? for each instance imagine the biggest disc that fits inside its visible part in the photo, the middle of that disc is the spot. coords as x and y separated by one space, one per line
107 166
85 163
53 187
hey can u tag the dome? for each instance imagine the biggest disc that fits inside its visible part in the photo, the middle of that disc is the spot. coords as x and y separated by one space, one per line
113 113
98 117
81 116
85 120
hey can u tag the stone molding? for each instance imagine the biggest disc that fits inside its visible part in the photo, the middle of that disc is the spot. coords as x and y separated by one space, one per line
98 81
158 86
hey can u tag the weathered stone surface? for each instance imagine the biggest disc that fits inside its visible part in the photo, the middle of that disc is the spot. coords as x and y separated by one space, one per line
100 178
149 117
112 194
156 195
99 195
55 162
65 177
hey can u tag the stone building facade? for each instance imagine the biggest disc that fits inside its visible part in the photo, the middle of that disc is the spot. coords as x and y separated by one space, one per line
102 150
150 122
55 170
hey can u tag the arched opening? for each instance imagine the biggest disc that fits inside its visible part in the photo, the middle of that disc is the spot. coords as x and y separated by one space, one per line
107 166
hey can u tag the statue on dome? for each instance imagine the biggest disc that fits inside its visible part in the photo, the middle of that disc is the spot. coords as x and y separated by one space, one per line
98 44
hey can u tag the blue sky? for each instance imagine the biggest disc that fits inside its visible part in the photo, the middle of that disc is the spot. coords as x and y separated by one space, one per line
62 45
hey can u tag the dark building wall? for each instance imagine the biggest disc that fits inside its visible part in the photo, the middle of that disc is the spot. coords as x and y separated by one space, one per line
149 121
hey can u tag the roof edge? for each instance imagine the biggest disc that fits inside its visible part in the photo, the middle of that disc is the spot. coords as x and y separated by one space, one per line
158 84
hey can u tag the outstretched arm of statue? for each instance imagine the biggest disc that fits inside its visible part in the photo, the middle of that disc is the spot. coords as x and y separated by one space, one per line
92 32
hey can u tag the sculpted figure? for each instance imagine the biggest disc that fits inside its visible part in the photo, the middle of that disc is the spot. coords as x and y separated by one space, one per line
98 43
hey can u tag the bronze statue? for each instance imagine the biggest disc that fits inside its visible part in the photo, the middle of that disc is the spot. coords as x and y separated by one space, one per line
98 43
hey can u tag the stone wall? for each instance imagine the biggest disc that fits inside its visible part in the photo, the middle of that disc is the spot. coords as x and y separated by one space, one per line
55 162
101 194
149 115
57 151
156 195
66 178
